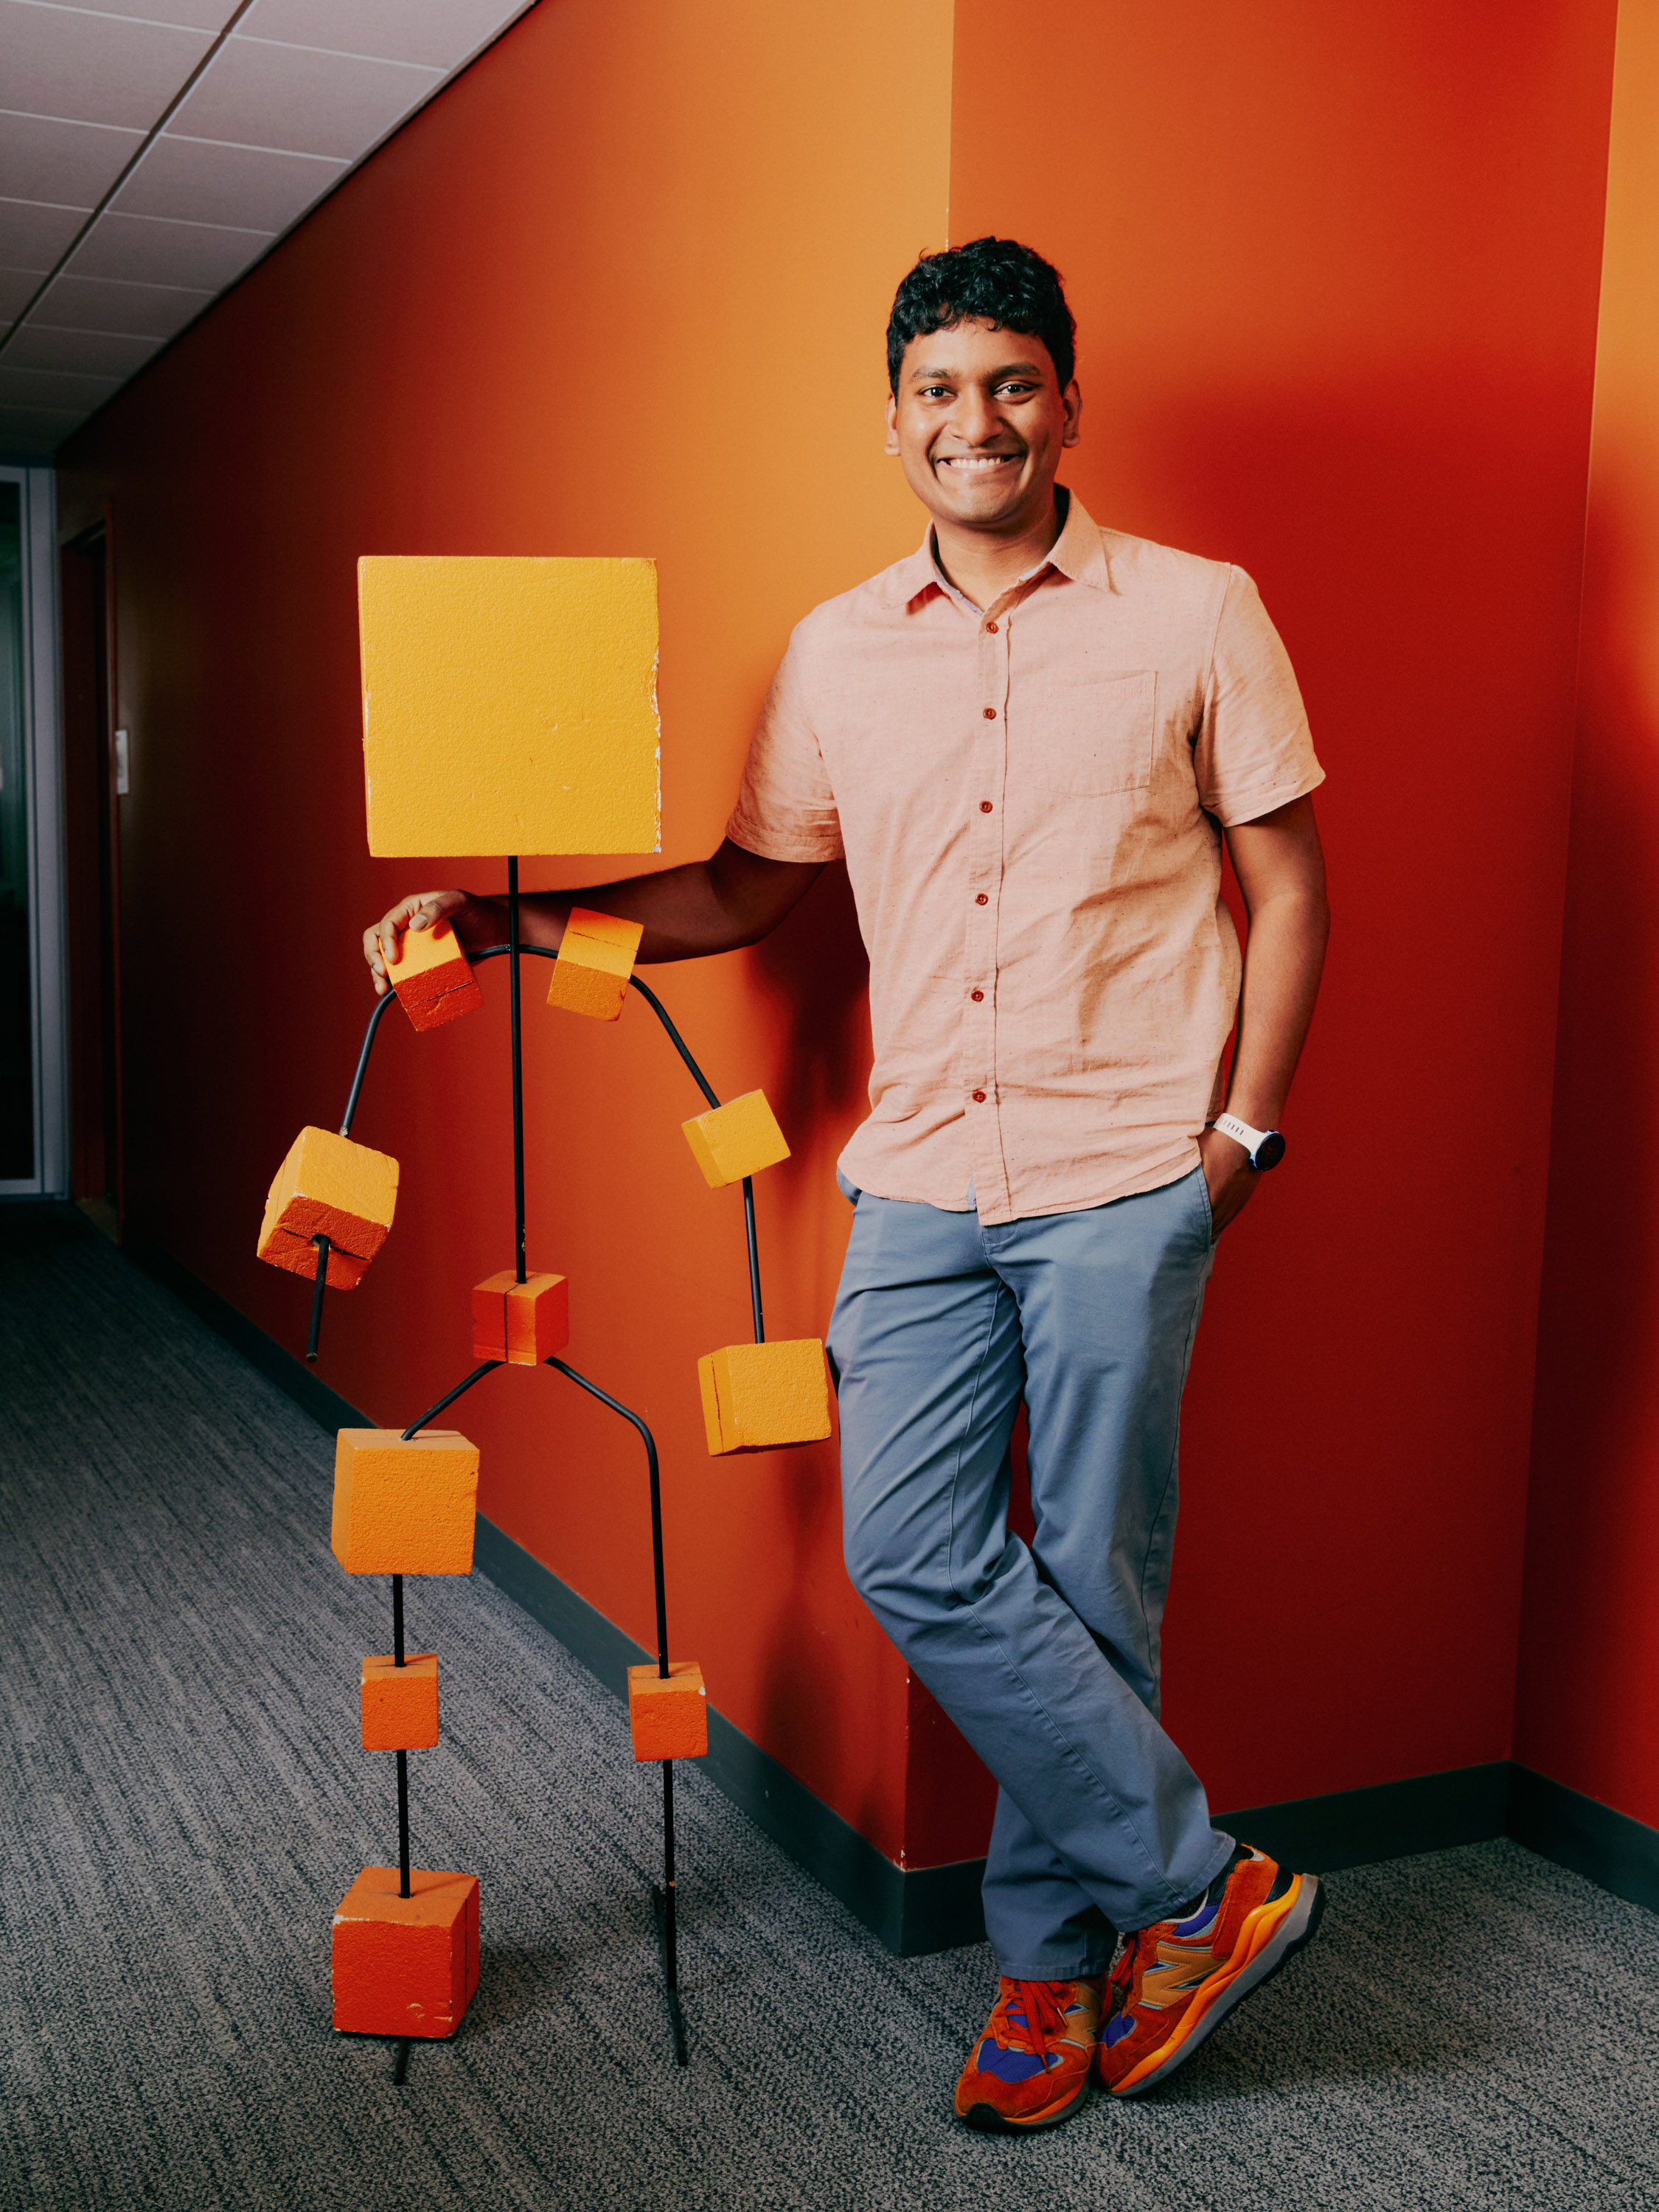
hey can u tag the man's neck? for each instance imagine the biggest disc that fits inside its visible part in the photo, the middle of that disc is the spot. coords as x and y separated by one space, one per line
984 565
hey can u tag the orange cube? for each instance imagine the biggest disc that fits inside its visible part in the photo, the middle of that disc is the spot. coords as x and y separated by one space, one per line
432 977
400 1703
405 1508
758 1396
668 1719
524 1322
405 1966
737 1140
595 958
329 1185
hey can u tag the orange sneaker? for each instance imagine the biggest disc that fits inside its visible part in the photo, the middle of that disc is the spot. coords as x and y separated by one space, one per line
1030 2067
1176 1980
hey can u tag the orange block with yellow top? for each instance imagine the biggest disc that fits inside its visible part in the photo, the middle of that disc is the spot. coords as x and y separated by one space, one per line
522 1323
329 1185
405 1966
404 1506
399 1704
668 1718
737 1140
432 976
595 958
510 705
758 1396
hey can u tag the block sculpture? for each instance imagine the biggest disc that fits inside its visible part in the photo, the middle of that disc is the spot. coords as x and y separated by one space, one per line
432 976
737 1140
400 1703
509 706
405 1966
521 1322
327 1186
668 1716
595 958
404 1506
758 1396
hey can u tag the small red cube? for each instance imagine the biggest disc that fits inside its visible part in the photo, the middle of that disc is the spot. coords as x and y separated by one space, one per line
522 1323
405 1966
668 1716
400 1703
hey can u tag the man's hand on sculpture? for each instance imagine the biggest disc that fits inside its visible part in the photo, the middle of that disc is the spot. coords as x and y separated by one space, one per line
472 920
1228 1176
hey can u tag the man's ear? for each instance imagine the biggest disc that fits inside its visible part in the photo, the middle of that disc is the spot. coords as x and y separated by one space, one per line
1072 400
892 445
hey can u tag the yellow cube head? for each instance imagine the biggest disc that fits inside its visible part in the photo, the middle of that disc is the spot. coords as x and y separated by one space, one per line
329 1185
405 1508
509 706
737 1140
595 958
757 1397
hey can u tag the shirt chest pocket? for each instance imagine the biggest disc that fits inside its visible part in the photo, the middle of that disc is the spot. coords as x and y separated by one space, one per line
1088 735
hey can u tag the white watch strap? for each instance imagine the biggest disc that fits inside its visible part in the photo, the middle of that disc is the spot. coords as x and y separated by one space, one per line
1241 1132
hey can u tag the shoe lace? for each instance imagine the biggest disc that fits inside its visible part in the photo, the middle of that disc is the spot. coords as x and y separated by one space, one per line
1044 2007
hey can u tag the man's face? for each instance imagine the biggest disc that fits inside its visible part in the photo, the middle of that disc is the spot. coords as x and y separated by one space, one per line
979 424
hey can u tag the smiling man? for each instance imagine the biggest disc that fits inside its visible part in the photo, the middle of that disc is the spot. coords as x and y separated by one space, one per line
1029 740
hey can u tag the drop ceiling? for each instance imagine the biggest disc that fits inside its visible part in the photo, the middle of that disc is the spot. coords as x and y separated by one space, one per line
152 150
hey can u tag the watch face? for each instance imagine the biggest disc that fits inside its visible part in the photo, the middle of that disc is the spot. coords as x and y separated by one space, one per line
1270 1150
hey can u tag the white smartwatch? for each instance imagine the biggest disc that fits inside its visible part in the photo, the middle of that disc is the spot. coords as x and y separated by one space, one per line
1264 1146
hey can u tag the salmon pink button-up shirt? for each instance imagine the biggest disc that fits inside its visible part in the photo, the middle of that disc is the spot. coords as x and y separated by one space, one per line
1029 800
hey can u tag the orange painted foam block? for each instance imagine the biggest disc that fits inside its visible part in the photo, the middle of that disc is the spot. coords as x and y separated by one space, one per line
405 1966
595 958
524 1322
432 977
400 1703
405 1508
510 705
329 1185
668 1719
737 1140
757 1396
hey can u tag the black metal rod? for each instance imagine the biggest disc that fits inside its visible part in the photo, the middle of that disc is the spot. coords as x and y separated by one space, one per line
324 1248
616 1407
674 1038
397 1620
382 1007
402 1824
400 2063
754 1257
518 1062
449 1398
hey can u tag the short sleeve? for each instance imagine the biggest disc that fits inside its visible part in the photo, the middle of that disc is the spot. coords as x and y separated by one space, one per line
1255 750
786 809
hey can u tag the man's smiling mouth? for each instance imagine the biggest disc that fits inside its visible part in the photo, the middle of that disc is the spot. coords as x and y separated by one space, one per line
976 463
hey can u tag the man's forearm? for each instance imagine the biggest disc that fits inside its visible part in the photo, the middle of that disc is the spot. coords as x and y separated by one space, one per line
1283 957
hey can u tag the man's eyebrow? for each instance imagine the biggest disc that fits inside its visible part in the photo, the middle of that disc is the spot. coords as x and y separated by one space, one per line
940 375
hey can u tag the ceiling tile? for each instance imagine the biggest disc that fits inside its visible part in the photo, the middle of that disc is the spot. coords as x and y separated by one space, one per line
91 353
148 252
97 303
32 236
41 387
254 95
191 180
197 14
91 68
17 288
31 431
440 33
74 164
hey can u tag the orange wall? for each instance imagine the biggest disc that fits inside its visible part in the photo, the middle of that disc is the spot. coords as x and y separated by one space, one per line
1586 1711
1335 275
621 290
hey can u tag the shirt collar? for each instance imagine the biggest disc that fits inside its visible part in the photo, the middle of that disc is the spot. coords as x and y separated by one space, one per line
1078 554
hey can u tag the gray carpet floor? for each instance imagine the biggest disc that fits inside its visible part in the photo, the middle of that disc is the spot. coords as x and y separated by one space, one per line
185 1803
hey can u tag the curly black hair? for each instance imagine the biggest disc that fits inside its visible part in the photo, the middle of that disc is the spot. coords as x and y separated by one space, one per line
993 279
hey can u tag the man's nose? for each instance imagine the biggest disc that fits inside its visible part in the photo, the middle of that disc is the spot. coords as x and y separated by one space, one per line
976 419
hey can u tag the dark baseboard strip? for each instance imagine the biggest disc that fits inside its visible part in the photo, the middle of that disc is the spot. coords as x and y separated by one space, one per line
936 1908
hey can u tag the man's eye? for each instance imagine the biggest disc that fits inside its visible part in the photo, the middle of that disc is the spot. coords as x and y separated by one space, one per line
935 391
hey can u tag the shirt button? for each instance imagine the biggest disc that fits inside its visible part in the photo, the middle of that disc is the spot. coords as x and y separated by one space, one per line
982 899
991 628
977 996
979 1098
985 806
990 713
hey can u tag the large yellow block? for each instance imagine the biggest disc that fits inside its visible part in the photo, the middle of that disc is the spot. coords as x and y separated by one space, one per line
404 1507
329 1185
509 706
595 958
737 1140
757 1396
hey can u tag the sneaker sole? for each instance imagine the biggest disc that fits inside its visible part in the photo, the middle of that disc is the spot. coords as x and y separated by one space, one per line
1270 1939
988 2121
